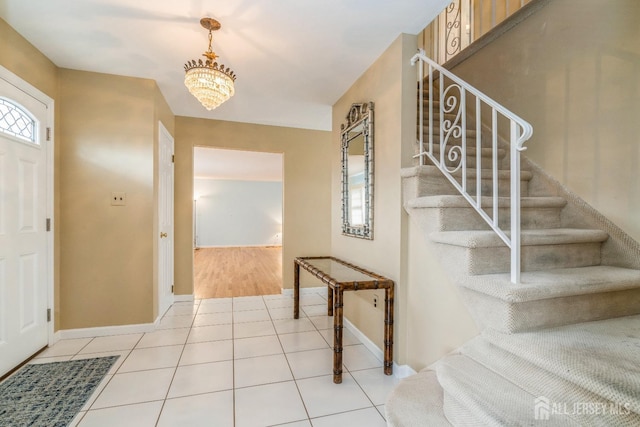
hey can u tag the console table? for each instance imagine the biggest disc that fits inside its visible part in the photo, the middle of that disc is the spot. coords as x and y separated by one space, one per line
340 276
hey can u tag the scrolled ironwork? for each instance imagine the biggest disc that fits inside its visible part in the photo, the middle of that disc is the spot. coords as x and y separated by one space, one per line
453 36
452 128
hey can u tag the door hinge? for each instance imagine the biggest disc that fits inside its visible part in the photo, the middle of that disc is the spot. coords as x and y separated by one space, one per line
171 288
173 158
48 315
48 134
48 224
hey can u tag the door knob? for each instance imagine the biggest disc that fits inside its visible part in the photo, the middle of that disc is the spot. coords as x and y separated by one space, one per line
163 235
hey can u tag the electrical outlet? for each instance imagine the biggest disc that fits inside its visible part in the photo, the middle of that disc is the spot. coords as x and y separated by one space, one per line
118 198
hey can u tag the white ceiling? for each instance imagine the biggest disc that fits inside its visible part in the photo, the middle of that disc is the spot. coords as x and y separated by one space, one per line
293 58
216 163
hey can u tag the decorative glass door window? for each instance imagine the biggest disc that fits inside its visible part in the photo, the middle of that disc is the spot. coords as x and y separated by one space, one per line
14 121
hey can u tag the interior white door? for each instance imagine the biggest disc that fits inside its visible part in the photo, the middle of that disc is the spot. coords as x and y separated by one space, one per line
23 238
165 220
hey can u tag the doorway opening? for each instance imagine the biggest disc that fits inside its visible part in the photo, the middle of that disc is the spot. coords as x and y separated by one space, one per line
238 217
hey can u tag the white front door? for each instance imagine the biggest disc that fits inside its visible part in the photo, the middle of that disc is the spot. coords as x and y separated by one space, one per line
23 235
165 220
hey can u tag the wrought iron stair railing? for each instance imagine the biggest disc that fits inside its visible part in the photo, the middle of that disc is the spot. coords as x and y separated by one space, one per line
451 118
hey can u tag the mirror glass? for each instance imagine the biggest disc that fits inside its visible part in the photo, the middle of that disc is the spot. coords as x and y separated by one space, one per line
357 172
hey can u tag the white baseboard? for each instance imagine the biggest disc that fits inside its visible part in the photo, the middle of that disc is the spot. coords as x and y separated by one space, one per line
322 290
106 330
399 371
183 298
266 245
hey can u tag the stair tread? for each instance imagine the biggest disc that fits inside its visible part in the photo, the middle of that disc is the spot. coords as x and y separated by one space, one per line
433 170
488 238
492 399
555 283
452 201
602 357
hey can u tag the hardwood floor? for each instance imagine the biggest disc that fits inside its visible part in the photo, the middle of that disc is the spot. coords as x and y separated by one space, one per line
237 272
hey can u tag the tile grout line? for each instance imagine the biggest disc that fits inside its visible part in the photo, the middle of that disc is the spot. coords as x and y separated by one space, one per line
233 364
184 345
295 382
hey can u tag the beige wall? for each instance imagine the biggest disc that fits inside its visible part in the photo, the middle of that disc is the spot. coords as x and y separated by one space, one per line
574 73
307 177
23 59
382 84
438 321
107 131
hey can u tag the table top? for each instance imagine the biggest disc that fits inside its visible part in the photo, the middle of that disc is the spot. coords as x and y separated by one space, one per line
341 271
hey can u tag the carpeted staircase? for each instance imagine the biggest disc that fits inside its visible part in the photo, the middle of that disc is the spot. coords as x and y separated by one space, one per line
562 347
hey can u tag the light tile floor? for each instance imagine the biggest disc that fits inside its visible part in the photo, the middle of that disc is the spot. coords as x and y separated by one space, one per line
242 362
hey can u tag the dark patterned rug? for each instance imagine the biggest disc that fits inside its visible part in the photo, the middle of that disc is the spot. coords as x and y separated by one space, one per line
50 394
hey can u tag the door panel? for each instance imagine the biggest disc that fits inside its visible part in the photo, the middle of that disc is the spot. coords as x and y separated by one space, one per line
165 220
27 195
23 238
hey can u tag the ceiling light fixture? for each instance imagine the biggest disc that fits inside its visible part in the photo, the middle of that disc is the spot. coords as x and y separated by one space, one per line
209 82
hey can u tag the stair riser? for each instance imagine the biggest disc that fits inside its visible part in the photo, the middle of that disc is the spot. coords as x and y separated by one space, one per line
486 159
458 219
461 416
457 142
508 317
534 258
418 186
471 142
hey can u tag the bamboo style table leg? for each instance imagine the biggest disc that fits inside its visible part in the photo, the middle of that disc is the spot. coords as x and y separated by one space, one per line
329 300
337 335
388 330
296 290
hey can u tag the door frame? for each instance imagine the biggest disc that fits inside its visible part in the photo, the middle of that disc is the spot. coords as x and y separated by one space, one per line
40 96
162 130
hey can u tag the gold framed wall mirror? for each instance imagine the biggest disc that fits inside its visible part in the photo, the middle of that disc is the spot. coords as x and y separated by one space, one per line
357 171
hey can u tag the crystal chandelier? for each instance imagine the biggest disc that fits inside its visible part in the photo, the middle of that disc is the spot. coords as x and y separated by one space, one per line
209 82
